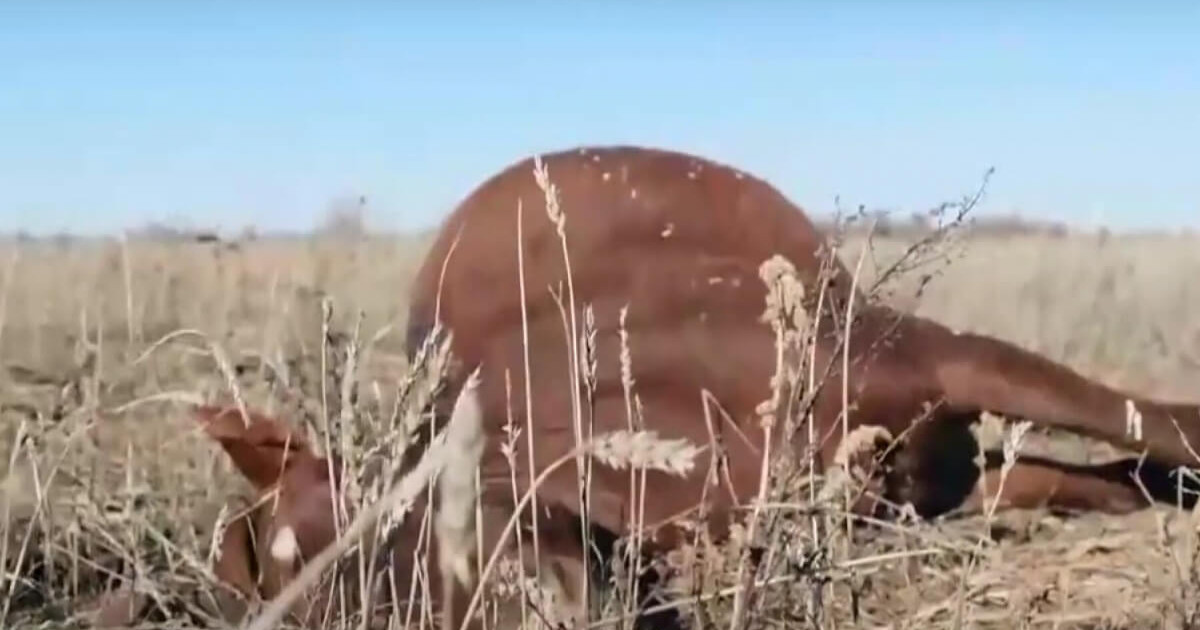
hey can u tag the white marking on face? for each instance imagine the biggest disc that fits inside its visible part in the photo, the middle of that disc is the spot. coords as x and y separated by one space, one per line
285 548
633 193
667 231
605 175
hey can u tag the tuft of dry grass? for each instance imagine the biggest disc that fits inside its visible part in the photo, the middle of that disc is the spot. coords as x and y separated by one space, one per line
109 485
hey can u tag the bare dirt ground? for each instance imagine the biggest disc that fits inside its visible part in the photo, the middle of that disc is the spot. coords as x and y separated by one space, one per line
107 479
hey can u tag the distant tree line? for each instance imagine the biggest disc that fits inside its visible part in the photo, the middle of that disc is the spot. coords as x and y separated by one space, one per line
346 218
886 224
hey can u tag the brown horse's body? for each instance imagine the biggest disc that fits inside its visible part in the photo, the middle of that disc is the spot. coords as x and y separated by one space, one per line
678 241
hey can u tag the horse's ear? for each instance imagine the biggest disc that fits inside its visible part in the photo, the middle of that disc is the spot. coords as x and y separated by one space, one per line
261 447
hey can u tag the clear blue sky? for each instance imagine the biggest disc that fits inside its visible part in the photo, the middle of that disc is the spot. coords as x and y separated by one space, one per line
225 114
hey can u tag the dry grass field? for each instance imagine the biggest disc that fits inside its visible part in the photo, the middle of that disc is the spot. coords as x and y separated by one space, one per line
107 479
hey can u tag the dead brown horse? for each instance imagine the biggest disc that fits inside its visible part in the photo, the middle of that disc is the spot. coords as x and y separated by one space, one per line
678 241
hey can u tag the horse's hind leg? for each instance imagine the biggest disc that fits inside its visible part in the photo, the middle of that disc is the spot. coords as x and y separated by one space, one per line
936 468
978 373
1117 487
